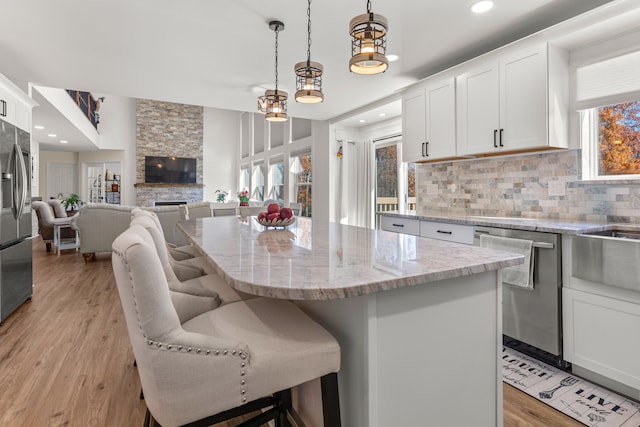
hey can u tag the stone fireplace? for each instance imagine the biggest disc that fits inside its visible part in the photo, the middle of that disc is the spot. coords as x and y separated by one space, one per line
168 129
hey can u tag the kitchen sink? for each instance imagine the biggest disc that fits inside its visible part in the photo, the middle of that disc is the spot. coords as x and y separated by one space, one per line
617 233
611 257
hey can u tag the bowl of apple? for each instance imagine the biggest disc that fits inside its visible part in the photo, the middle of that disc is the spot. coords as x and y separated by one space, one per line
276 217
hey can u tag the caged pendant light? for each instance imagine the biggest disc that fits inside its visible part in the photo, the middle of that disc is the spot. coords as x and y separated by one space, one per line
368 43
274 102
309 73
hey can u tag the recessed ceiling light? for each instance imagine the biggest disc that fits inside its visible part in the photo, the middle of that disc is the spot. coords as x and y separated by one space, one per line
38 127
481 6
362 121
52 135
382 114
64 142
392 58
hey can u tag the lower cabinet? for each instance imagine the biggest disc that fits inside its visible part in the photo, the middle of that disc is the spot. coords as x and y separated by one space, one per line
601 335
400 225
458 233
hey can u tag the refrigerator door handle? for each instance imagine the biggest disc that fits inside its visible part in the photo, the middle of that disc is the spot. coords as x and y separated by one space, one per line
23 182
16 168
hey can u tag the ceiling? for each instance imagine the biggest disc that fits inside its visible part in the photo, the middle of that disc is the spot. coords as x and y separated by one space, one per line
221 53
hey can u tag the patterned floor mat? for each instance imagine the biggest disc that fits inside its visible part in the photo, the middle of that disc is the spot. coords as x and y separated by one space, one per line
585 402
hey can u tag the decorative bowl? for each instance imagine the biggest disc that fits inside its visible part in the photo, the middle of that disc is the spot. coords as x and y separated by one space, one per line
276 223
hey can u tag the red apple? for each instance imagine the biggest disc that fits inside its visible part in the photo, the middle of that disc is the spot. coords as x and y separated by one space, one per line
262 215
286 213
273 208
272 216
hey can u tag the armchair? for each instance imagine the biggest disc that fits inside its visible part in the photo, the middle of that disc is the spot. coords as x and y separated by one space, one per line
46 221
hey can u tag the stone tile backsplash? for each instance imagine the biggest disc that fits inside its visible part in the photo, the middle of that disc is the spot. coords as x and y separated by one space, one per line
539 185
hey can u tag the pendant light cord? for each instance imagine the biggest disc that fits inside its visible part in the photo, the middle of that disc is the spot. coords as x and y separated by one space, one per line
368 6
309 33
277 31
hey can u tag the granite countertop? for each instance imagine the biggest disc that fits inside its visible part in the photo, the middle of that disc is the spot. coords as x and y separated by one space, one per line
530 224
315 260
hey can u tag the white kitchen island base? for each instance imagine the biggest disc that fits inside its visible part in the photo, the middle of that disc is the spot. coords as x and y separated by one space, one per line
426 355
418 320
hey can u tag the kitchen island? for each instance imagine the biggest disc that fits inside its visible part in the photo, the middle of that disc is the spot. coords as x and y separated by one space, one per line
418 320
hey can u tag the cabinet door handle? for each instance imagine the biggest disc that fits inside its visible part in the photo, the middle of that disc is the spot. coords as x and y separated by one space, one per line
501 130
4 108
398 225
495 141
427 150
444 232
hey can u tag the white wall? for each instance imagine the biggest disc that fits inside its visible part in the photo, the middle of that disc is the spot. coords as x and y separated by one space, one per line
118 132
221 145
324 166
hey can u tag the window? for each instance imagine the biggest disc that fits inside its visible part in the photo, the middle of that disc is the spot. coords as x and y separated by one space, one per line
611 141
300 169
258 182
276 178
387 178
608 97
395 180
411 186
244 178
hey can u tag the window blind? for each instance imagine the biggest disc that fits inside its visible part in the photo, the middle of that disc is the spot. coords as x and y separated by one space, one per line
608 82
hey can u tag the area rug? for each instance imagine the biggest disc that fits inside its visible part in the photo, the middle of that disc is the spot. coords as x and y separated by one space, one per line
581 400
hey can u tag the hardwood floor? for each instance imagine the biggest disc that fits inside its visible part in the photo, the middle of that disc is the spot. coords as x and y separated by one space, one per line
65 358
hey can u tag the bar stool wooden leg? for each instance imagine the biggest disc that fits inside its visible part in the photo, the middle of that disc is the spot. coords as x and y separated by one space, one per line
330 400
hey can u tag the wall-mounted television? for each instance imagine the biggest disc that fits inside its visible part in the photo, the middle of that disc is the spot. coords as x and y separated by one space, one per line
169 170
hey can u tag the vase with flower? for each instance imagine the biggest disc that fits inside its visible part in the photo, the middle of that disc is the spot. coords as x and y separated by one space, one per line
243 196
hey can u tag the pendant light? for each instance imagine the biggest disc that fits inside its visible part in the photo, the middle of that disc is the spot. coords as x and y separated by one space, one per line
274 102
308 73
368 43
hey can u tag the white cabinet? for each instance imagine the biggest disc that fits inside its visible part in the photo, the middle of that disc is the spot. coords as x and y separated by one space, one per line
400 225
15 105
601 335
428 121
7 106
458 233
503 105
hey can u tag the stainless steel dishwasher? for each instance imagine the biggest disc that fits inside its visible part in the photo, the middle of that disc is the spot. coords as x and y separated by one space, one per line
532 319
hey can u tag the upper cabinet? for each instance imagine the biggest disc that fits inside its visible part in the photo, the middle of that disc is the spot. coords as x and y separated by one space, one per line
15 105
511 100
429 122
503 105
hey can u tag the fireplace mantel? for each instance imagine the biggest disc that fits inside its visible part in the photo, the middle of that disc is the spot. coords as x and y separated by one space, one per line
158 185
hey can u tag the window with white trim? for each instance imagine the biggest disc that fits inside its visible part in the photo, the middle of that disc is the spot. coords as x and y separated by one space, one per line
608 97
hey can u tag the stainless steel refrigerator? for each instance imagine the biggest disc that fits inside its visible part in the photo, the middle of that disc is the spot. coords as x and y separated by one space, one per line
16 274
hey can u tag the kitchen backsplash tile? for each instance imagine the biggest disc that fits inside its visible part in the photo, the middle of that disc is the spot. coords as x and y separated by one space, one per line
519 185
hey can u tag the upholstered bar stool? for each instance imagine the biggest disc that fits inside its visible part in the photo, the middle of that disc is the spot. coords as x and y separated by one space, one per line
177 253
236 359
195 261
203 285
251 210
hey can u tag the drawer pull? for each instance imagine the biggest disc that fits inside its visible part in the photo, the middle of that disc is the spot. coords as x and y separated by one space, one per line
398 225
3 113
444 232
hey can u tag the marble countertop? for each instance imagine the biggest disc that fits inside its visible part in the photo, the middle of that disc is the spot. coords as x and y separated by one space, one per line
530 224
314 260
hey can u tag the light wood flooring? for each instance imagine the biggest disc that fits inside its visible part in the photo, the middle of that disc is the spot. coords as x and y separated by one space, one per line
65 358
